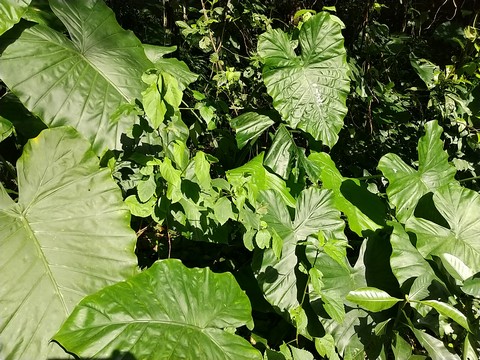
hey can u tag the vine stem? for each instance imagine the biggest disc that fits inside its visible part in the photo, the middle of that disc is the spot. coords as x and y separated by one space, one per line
469 179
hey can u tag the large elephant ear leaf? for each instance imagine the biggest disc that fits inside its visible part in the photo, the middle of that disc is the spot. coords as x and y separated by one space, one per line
309 91
407 185
67 236
460 208
82 81
11 12
166 312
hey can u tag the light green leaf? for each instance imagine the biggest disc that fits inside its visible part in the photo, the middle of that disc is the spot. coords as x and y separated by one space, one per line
82 81
178 69
6 128
155 52
407 185
184 310
281 153
223 210
11 11
372 299
152 100
448 311
460 208
173 178
326 347
364 210
146 189
300 354
402 350
472 287
406 261
456 267
309 91
138 208
67 236
249 126
434 347
202 170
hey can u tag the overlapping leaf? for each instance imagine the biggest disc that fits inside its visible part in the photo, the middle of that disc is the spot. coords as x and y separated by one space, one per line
407 185
310 90
11 12
166 312
82 81
460 208
66 237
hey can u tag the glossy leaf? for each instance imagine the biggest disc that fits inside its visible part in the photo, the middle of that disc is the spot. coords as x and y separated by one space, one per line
435 348
407 185
66 237
372 299
11 12
310 90
456 267
6 128
281 153
82 81
249 126
449 311
472 287
460 208
166 312
364 210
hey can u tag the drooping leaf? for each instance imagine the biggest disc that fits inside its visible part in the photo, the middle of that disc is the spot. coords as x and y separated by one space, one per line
435 348
249 126
281 153
449 311
177 69
460 208
407 185
166 312
66 237
11 12
82 81
310 90
364 210
372 299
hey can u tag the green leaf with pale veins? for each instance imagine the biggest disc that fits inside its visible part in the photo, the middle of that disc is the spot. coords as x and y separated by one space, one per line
167 312
407 185
460 208
372 299
249 126
80 80
67 236
310 90
11 11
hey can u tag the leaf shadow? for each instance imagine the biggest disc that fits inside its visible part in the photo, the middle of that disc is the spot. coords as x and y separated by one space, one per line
116 355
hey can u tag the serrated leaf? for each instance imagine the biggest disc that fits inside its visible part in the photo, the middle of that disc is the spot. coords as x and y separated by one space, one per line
249 126
184 310
82 81
460 208
364 210
372 299
448 311
407 185
11 11
309 91
67 236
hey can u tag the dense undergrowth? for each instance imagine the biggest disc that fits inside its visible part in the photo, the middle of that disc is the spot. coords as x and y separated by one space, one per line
249 180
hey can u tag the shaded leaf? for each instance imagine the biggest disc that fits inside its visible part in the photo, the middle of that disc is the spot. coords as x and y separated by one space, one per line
67 236
434 347
184 310
407 185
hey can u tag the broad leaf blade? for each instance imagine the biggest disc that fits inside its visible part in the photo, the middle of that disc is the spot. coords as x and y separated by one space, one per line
79 82
11 12
67 236
407 185
309 91
372 299
281 153
460 208
448 311
249 126
183 310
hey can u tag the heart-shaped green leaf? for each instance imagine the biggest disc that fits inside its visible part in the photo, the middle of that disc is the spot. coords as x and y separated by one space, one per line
67 236
309 91
82 81
407 185
166 312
